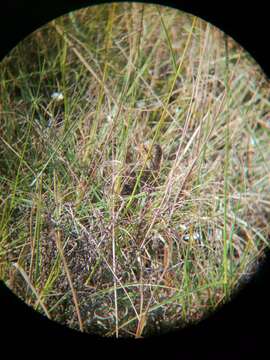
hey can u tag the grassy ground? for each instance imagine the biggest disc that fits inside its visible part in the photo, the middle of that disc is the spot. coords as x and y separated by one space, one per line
86 237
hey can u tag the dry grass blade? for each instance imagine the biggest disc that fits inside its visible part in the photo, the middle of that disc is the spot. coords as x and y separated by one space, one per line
86 65
27 280
74 294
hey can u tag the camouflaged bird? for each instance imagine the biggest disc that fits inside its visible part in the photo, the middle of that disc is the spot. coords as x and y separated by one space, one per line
148 175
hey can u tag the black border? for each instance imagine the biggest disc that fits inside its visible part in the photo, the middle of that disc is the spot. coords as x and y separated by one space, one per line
237 329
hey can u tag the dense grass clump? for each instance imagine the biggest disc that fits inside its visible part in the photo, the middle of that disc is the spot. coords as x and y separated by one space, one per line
134 157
